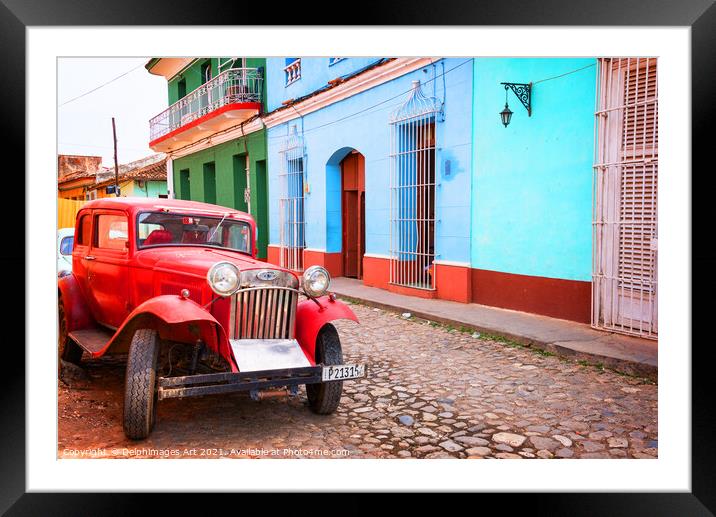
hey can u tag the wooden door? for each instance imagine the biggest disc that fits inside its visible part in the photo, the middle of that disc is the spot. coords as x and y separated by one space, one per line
108 268
353 214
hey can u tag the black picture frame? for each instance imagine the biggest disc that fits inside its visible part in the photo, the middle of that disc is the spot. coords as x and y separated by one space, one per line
700 15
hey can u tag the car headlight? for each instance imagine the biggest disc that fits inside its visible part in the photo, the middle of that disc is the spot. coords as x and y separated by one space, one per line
223 278
316 281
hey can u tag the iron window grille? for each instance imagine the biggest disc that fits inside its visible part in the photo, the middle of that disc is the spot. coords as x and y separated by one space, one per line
291 203
626 160
412 190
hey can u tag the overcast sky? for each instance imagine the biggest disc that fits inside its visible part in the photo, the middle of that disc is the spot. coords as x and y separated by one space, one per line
85 124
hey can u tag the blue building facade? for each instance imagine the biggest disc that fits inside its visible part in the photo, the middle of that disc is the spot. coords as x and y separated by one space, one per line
531 214
359 122
399 172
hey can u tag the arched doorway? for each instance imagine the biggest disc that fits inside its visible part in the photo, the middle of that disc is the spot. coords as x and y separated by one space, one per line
353 213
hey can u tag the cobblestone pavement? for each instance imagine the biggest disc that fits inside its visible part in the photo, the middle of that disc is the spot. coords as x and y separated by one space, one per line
430 393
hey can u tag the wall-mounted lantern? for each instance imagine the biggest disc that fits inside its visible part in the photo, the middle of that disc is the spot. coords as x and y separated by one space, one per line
523 93
506 114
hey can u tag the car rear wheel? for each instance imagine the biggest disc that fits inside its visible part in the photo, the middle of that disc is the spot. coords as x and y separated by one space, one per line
68 350
140 388
323 398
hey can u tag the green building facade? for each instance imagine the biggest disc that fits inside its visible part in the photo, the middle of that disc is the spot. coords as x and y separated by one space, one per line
218 175
232 173
195 75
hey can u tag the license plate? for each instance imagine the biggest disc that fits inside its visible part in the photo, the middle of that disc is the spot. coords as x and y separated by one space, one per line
343 372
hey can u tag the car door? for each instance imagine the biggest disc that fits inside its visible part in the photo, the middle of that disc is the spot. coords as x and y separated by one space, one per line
81 249
108 267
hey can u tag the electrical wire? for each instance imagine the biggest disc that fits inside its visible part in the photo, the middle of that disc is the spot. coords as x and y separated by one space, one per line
102 85
106 146
337 120
384 101
381 102
562 75
441 75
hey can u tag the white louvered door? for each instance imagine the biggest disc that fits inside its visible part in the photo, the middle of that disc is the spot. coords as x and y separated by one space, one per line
625 197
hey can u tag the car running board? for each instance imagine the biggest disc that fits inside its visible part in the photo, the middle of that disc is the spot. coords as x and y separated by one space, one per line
92 340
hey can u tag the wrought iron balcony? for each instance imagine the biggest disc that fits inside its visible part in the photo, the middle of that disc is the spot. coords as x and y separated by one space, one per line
229 98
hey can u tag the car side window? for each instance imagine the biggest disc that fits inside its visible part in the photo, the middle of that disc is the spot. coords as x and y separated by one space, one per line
66 245
239 238
111 232
83 239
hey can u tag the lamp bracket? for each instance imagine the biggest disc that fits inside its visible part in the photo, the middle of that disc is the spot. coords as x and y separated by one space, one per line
523 92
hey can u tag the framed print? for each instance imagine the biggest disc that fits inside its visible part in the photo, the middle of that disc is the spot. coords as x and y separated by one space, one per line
411 244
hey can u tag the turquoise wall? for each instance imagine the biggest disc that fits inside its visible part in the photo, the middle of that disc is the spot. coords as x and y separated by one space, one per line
154 188
150 189
532 181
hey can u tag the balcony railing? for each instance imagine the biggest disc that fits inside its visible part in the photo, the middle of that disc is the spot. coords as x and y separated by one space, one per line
236 85
293 71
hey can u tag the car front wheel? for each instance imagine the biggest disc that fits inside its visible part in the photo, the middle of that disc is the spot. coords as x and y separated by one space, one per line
324 398
140 388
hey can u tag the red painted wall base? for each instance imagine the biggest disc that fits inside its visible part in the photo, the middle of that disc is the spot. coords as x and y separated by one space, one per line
554 297
333 262
565 299
412 291
376 272
274 255
453 283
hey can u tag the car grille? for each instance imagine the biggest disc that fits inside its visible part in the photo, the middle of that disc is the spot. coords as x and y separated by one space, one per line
263 310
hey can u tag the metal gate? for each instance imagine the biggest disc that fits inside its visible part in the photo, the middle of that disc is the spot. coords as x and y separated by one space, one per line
291 204
626 158
412 191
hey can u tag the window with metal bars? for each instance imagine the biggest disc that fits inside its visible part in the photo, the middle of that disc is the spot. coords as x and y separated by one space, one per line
412 191
625 197
291 204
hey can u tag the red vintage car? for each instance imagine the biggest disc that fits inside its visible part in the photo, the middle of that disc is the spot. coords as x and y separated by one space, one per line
177 287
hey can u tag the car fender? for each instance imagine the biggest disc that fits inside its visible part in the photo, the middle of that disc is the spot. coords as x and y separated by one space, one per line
312 316
77 313
175 318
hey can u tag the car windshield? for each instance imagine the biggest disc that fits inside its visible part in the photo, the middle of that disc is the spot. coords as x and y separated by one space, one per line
167 229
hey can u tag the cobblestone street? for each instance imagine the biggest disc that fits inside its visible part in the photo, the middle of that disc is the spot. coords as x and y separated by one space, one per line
431 392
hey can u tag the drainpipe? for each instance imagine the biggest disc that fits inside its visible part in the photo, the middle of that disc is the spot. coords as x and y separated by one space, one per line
248 184
247 191
170 177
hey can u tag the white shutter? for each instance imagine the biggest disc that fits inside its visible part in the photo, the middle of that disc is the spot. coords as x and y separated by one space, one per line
625 220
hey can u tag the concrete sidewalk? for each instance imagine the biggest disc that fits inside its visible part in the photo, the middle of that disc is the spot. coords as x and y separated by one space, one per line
576 341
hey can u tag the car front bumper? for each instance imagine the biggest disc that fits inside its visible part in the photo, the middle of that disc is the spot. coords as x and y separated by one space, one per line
228 382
